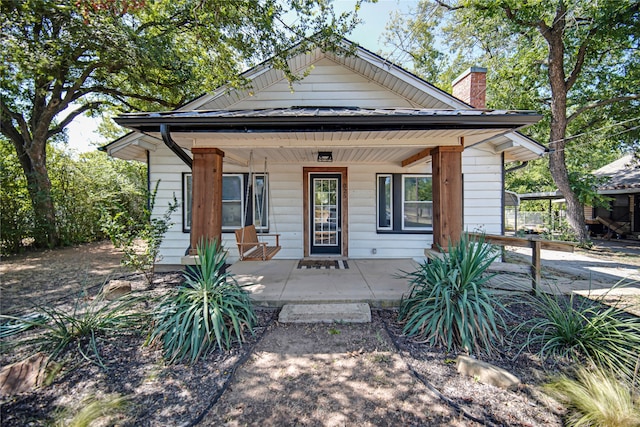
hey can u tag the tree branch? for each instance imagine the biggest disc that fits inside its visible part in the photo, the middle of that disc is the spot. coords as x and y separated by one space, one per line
582 52
10 131
448 6
22 123
511 14
601 103
72 115
119 94
77 85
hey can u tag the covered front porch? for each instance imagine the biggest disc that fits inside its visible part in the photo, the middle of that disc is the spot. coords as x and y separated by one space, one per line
278 282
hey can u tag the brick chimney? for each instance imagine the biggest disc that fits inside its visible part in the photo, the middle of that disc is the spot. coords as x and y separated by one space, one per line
471 87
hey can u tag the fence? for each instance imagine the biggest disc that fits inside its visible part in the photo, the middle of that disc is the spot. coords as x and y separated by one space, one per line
531 222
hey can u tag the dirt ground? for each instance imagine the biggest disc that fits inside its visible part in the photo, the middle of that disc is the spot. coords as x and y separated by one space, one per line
51 276
286 374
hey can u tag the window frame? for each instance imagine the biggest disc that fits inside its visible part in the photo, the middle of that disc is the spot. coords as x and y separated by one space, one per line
397 205
379 198
247 216
404 201
240 176
264 227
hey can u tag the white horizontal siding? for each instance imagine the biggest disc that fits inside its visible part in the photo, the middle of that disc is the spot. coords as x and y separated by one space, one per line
165 166
363 237
482 173
329 84
482 207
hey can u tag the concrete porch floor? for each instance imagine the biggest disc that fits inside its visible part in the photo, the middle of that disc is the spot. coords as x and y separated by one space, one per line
374 281
278 282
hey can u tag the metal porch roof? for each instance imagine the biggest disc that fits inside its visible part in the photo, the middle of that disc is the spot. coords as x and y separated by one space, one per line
323 119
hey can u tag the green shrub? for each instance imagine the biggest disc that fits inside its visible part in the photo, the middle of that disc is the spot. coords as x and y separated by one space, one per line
16 212
605 335
448 303
85 186
126 232
82 186
209 311
596 398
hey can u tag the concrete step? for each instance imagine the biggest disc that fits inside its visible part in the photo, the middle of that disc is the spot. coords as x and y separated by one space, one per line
325 313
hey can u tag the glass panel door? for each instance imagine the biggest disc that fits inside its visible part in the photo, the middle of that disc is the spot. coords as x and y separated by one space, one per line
325 214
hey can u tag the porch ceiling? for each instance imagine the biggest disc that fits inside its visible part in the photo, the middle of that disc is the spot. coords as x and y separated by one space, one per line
352 134
347 147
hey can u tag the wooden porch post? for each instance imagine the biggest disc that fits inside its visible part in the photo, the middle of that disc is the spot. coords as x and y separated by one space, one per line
206 207
447 195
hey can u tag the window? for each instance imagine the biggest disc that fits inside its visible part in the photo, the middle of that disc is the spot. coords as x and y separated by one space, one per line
417 204
385 207
404 203
232 201
260 202
234 196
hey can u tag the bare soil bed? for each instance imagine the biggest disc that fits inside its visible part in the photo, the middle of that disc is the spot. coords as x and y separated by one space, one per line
303 374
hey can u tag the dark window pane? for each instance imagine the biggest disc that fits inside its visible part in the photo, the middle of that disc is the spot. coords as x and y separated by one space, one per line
231 187
384 202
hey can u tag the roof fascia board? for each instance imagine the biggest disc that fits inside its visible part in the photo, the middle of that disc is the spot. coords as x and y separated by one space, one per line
626 190
142 143
324 123
527 142
518 140
250 74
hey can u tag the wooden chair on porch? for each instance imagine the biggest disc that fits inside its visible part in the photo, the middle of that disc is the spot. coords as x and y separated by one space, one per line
251 249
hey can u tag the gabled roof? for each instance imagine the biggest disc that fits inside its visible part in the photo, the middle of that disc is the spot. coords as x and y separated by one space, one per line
416 90
623 174
421 100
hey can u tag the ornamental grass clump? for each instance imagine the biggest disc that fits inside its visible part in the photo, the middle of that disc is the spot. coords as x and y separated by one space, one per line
210 310
58 329
585 331
595 397
448 303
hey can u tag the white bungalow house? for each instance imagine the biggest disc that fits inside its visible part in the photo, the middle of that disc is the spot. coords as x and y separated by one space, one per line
360 159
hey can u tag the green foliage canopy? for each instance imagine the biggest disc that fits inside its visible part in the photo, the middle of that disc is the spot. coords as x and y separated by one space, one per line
575 61
84 187
65 58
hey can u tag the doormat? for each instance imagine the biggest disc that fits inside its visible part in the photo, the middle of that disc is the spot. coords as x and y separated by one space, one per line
308 264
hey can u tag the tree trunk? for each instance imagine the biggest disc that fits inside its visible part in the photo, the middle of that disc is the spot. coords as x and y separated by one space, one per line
557 163
558 169
34 165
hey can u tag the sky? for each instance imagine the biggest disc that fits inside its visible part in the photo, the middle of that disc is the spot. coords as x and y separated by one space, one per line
368 34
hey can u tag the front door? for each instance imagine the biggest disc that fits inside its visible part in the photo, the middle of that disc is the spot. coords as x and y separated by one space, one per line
325 210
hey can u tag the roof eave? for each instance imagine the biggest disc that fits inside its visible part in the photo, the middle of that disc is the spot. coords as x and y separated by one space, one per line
327 123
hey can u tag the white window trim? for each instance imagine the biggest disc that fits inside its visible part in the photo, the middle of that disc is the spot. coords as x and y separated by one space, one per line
425 228
378 210
187 228
254 201
229 228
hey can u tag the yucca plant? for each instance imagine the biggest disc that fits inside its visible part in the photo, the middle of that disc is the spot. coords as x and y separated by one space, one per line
448 303
83 326
596 398
586 331
210 310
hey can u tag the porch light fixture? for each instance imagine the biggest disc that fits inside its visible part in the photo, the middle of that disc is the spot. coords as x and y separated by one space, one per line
325 156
